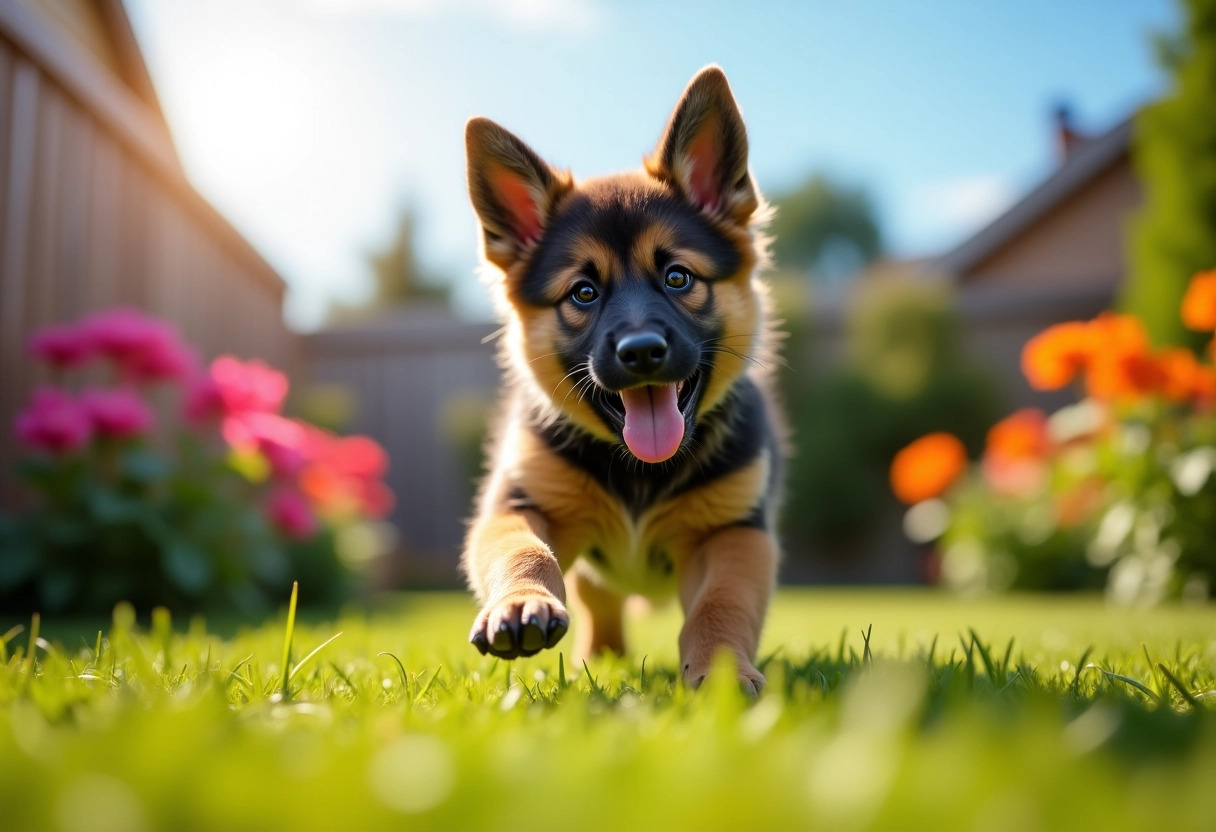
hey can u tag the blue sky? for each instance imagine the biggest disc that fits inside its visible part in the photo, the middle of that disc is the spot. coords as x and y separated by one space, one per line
310 122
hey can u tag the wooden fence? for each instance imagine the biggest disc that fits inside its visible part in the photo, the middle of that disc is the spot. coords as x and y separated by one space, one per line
424 388
95 212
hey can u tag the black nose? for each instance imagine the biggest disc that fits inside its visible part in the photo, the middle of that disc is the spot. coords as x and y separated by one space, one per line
642 353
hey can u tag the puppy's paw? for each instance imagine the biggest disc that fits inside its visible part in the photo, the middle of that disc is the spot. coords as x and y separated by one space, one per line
522 624
751 681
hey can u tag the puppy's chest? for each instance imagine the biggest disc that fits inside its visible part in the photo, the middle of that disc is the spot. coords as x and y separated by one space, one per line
636 553
638 545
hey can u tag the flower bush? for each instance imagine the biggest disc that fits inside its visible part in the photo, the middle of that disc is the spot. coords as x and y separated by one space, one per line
1115 491
222 504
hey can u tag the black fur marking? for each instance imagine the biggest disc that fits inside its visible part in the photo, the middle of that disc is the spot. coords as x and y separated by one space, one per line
616 218
758 517
659 561
518 500
725 441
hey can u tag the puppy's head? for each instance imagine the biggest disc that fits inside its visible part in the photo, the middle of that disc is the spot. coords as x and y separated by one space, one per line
629 300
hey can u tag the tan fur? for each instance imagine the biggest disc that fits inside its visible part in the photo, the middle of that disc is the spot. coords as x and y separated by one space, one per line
601 612
724 589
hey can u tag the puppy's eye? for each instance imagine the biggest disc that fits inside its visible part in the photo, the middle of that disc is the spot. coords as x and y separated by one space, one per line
678 278
584 294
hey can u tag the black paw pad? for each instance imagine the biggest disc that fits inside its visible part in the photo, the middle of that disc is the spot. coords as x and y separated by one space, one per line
505 644
557 629
531 637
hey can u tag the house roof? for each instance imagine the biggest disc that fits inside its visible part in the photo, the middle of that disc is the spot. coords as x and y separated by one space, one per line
1083 164
130 57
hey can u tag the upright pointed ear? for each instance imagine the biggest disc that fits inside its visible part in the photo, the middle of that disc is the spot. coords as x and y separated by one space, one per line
703 152
512 190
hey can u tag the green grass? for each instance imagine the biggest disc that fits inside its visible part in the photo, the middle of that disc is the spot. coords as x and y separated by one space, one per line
1091 718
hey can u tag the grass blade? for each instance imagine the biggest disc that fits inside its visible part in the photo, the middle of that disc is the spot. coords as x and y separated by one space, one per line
405 684
35 623
1135 683
345 678
1081 665
594 685
1186 694
317 650
291 630
986 658
427 686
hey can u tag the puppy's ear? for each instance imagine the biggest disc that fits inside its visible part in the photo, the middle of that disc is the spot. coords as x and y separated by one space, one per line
703 152
513 191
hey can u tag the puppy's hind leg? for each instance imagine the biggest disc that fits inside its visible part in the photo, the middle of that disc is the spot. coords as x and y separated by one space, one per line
599 613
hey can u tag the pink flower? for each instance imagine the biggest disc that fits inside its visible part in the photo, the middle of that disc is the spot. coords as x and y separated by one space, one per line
376 499
144 348
342 475
117 414
291 514
282 441
62 345
248 386
202 402
54 421
359 456
166 359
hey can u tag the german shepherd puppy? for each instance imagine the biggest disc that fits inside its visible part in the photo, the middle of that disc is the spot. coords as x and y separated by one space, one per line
639 449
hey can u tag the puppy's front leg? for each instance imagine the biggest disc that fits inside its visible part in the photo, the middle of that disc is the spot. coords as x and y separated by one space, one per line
518 582
724 589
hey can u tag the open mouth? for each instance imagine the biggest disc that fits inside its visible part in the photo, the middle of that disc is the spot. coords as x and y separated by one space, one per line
654 417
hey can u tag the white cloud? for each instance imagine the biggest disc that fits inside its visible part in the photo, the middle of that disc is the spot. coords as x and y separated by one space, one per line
569 16
966 202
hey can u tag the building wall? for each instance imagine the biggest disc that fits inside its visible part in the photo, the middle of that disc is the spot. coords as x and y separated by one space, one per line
1079 244
94 212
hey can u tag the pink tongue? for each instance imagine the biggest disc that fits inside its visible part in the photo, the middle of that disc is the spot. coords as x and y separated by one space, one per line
653 424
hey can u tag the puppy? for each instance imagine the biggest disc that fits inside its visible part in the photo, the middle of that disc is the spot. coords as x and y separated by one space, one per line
638 449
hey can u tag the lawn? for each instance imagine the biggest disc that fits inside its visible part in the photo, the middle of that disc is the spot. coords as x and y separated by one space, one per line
1020 713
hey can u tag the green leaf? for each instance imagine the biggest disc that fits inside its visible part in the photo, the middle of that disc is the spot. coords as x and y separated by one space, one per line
110 507
186 566
38 467
143 466
66 531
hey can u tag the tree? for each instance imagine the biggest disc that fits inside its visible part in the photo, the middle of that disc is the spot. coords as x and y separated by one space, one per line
825 229
400 278
1174 234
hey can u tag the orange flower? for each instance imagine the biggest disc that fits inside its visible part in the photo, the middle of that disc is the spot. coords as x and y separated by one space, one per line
1121 364
1055 356
1021 435
1015 453
1117 332
1199 302
927 467
1185 379
1124 376
1204 391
